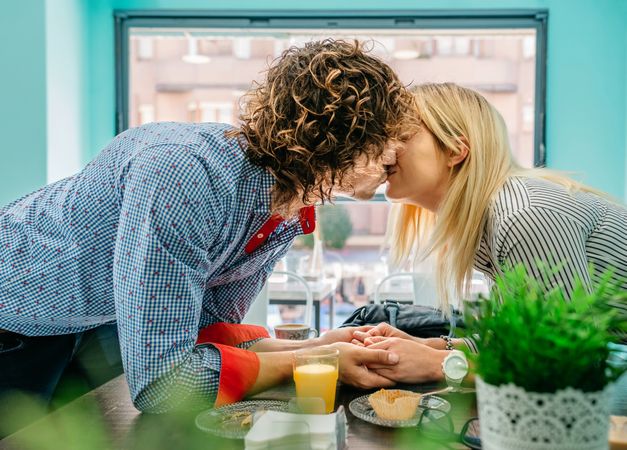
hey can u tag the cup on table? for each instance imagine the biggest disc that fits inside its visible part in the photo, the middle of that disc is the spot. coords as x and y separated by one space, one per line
294 331
316 374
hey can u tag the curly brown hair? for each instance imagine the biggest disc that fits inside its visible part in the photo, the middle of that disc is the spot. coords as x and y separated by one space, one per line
320 108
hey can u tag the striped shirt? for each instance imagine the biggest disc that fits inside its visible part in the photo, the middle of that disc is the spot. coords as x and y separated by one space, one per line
532 220
150 234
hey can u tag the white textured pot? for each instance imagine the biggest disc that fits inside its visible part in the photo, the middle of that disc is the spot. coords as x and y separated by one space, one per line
514 419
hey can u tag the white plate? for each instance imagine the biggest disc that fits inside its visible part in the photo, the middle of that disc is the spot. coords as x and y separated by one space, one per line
234 421
360 407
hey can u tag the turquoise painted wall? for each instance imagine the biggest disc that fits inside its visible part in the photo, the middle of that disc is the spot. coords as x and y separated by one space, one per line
22 98
42 92
66 91
586 80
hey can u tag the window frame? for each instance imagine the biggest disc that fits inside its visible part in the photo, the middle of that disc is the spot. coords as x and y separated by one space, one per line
344 19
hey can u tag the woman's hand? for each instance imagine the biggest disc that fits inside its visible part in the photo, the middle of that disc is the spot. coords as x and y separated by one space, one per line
355 362
340 335
384 329
418 363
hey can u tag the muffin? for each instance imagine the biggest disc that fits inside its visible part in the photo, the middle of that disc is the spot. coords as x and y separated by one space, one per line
394 404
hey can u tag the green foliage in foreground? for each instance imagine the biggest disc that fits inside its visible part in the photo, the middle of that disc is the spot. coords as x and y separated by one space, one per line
84 425
80 427
541 341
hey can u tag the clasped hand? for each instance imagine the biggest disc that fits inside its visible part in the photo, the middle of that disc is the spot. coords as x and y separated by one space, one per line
417 362
382 356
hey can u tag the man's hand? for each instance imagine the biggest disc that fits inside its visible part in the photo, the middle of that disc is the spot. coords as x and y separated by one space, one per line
355 362
384 329
341 334
418 363
330 337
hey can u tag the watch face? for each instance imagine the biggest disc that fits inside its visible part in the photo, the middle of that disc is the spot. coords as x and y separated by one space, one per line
456 367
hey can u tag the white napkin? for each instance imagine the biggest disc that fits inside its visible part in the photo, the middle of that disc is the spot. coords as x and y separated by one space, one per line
276 430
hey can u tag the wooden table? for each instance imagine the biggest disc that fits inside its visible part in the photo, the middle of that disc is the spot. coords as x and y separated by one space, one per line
106 419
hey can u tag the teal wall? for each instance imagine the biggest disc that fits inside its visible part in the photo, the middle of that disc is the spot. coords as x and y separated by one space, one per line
586 80
66 88
22 98
42 93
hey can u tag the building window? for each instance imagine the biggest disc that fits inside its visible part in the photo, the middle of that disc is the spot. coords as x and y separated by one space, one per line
145 113
198 73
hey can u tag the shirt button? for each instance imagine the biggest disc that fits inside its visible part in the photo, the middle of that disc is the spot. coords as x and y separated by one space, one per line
260 235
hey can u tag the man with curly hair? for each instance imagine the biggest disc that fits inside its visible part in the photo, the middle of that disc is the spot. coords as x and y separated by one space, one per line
172 230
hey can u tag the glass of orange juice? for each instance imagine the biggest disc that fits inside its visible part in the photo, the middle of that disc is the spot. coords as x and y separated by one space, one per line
316 373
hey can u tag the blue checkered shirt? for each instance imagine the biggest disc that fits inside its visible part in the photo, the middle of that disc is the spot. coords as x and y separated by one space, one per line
151 233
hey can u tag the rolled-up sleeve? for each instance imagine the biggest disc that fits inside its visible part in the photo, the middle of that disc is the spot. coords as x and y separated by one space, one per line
169 217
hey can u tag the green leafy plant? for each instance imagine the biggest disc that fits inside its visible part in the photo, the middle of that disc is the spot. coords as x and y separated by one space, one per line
543 342
335 225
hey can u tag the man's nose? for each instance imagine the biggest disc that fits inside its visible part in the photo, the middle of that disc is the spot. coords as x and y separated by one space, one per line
389 156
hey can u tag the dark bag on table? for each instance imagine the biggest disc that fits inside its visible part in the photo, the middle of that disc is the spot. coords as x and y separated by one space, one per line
419 321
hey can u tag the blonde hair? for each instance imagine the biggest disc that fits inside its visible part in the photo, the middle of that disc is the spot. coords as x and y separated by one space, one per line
459 118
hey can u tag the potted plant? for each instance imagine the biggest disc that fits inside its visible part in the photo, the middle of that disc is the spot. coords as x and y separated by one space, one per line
543 377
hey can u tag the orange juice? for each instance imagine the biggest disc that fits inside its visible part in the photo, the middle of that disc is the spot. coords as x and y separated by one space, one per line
317 380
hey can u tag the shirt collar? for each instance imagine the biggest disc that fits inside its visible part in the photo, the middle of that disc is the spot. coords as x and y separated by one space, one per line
259 183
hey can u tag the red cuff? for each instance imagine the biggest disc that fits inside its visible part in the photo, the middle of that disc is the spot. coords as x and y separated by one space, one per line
237 375
230 334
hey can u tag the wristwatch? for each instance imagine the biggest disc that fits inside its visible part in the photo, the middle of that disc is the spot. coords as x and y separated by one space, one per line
455 368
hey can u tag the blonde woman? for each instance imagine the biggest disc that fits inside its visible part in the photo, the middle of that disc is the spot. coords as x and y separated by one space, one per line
464 200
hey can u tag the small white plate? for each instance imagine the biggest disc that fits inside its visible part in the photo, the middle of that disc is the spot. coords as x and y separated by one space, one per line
360 407
234 421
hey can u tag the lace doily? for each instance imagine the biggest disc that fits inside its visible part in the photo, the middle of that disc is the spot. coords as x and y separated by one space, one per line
514 419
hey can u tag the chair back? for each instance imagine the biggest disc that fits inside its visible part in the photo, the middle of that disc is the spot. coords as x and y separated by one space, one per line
307 290
423 288
258 312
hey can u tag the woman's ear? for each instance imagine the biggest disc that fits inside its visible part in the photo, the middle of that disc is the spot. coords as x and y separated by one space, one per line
455 159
